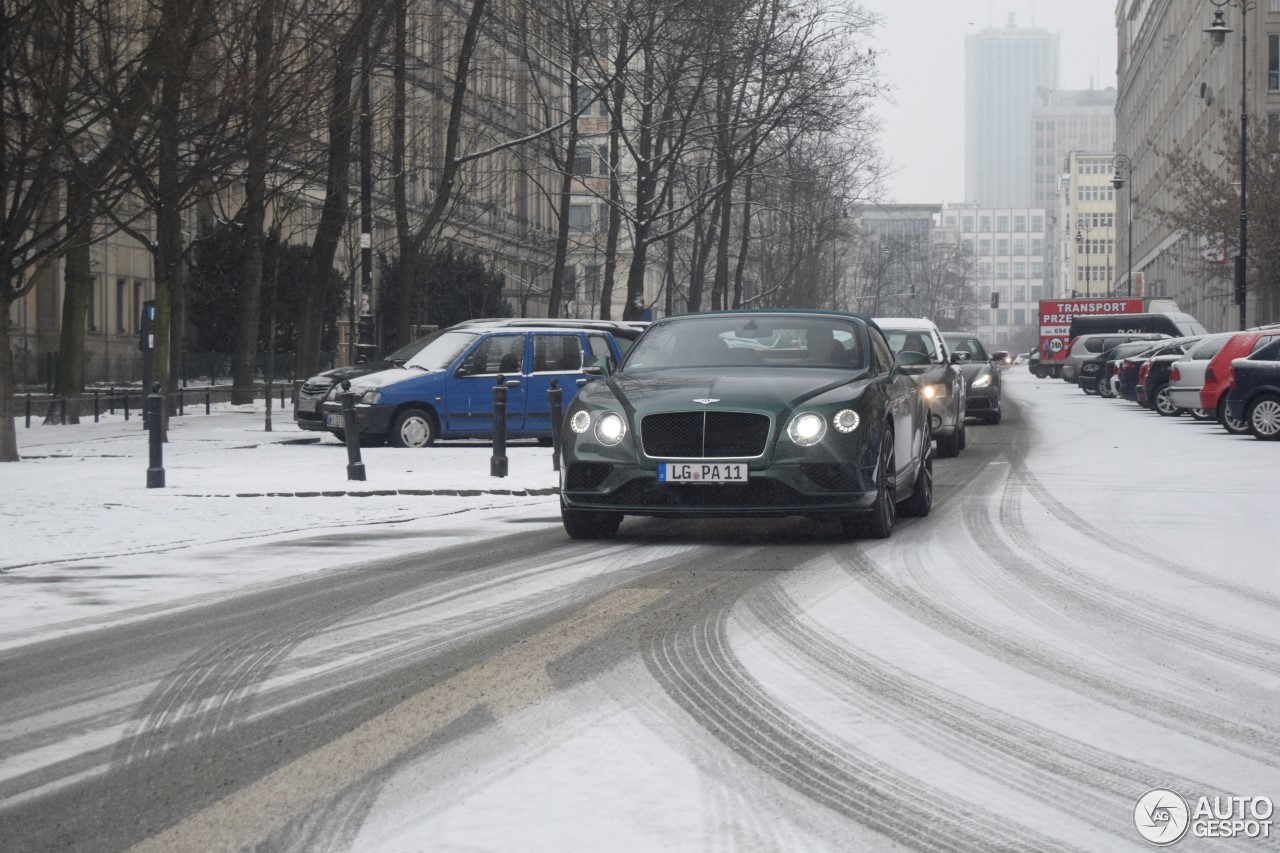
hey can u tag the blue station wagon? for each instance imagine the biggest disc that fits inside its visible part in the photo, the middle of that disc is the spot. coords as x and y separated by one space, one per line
445 391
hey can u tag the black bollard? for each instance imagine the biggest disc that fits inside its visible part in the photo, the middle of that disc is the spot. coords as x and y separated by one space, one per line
182 402
355 468
498 462
62 410
555 398
111 400
96 409
155 473
207 402
126 404
28 410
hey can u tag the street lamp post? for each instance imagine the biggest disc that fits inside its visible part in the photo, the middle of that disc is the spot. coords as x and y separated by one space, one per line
1218 30
1118 162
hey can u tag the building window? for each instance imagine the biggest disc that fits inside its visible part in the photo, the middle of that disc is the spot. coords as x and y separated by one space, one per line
967 245
1002 269
968 224
579 217
1002 247
1037 246
91 307
137 304
121 307
1002 223
1020 222
582 158
951 219
1273 63
1019 246
984 223
984 247
1002 317
1037 293
1037 223
1020 293
1037 269
1019 316
1019 269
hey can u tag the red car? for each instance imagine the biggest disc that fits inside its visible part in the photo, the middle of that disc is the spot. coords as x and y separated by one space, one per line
1217 376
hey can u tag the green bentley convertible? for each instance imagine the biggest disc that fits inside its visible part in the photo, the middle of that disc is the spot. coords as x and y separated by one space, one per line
750 414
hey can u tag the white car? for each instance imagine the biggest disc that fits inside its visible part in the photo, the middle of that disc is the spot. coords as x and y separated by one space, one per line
1186 377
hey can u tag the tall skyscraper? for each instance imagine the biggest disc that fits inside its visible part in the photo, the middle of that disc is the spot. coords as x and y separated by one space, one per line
1004 69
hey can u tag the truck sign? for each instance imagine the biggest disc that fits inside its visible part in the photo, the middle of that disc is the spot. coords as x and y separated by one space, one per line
1056 314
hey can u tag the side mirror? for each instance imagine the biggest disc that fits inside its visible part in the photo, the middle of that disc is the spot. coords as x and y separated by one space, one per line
599 365
959 357
907 359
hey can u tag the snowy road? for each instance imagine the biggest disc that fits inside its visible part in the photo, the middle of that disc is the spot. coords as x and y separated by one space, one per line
1091 611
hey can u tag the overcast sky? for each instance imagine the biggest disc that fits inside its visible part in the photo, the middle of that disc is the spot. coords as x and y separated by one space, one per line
921 47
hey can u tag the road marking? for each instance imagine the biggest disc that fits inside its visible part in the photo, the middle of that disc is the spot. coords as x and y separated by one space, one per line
509 681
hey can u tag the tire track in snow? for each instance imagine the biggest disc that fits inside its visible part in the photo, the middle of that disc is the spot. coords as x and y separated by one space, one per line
693 662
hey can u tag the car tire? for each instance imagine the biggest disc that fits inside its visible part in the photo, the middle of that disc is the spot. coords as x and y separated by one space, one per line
994 417
949 446
877 524
1229 423
1263 417
1161 403
1088 389
921 500
1104 389
413 428
580 524
1201 414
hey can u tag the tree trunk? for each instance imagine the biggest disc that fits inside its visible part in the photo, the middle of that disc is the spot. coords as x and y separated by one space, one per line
333 215
617 94
69 381
744 243
244 369
566 194
407 248
8 405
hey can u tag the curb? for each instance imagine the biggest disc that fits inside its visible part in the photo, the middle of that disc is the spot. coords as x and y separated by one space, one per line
379 493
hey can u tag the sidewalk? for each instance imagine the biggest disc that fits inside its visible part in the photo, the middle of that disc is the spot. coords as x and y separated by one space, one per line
84 535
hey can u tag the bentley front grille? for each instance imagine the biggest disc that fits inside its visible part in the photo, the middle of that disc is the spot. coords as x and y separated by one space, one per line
705 435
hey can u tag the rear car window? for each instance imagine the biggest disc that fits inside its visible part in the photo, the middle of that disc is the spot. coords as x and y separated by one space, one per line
1207 349
1262 341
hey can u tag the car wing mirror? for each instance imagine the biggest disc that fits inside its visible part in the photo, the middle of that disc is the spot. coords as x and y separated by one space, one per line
599 365
905 360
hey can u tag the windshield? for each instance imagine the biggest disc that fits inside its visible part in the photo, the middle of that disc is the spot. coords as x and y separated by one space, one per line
911 340
752 339
970 345
439 349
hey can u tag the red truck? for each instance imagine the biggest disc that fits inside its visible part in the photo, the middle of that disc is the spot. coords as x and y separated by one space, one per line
1063 319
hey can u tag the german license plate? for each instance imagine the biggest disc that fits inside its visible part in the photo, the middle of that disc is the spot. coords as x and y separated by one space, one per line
702 472
333 420
306 405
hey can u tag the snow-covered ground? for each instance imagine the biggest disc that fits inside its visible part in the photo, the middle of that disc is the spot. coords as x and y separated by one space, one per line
84 537
1091 611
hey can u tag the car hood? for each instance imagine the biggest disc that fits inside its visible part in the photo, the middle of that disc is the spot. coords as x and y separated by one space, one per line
351 371
390 376
679 390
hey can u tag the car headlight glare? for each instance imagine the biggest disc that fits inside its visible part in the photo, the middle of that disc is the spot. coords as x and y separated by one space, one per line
580 422
846 420
933 392
610 429
807 429
982 381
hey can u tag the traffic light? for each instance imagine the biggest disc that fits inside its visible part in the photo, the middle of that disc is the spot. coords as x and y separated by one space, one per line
995 299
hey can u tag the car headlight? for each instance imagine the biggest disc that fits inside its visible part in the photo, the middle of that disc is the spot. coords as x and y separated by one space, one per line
807 429
932 392
580 422
846 420
982 381
369 396
610 429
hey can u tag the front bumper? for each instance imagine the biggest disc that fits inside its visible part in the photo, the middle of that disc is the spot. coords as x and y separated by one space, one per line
945 415
370 420
982 400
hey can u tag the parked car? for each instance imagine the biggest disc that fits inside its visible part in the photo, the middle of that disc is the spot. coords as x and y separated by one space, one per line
324 386
693 424
1255 391
1217 378
1157 369
1128 374
1097 374
1085 347
940 380
1186 376
446 389
981 375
